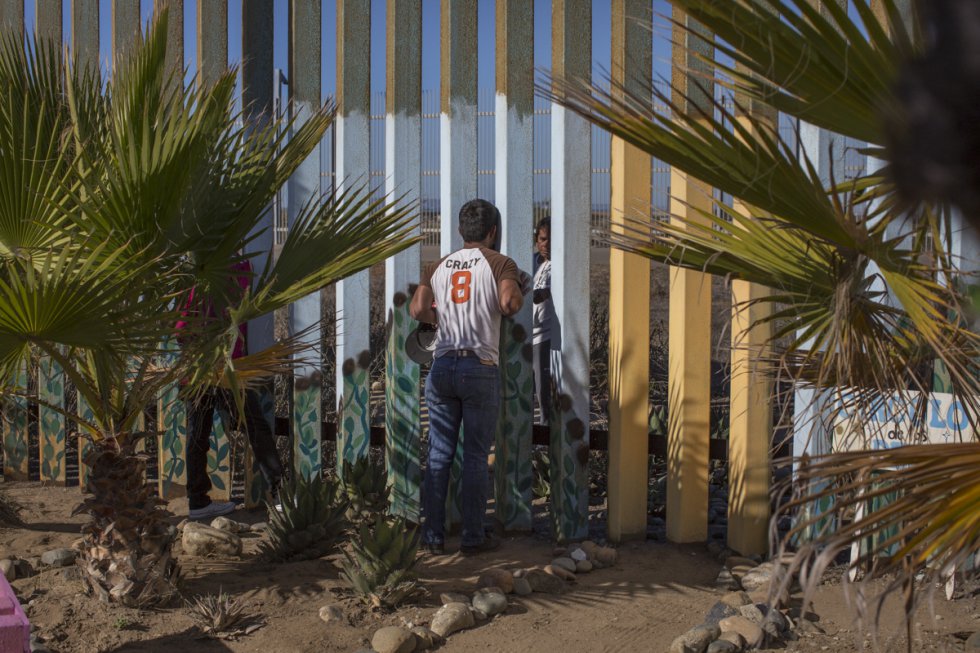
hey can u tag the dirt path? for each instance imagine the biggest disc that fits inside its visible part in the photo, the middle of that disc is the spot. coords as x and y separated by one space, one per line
655 592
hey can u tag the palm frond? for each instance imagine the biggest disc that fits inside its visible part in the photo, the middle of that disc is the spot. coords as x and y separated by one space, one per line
346 232
926 517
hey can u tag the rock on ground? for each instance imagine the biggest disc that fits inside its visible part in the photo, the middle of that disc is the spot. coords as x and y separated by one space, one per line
58 557
757 578
201 540
453 597
229 525
718 612
560 572
748 630
735 561
726 581
452 617
736 599
542 581
606 556
497 578
721 646
425 638
8 569
522 587
565 563
490 600
734 638
332 613
393 639
696 640
754 612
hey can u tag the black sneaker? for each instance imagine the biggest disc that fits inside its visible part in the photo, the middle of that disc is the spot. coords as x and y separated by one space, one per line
435 548
489 543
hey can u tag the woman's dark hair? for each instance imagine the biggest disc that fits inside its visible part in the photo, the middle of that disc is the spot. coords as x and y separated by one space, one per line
476 219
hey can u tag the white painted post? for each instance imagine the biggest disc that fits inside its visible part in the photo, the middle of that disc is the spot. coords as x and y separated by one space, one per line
457 118
514 131
571 173
403 175
457 155
304 93
353 170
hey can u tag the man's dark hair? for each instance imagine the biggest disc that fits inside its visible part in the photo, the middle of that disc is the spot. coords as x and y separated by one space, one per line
543 223
476 219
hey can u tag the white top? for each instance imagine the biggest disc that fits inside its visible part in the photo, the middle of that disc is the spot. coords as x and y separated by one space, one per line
543 315
465 287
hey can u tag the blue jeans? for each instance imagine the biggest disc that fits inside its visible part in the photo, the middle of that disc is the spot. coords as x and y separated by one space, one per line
459 390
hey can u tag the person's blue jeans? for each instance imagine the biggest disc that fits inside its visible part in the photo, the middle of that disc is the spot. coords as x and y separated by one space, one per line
459 390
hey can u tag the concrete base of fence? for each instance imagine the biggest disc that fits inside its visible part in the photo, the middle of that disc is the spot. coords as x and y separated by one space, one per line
15 630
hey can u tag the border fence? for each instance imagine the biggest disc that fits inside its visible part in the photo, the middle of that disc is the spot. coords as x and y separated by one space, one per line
441 149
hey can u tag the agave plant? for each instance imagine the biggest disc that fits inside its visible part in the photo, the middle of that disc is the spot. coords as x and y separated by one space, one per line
366 487
219 615
381 568
864 287
120 196
309 522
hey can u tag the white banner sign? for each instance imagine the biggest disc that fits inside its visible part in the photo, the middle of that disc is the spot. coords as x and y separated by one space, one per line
890 426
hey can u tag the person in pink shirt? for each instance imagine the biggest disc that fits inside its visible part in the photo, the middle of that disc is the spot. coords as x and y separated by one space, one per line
200 418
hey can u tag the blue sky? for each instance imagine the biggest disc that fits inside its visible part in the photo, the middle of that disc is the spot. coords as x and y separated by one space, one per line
430 37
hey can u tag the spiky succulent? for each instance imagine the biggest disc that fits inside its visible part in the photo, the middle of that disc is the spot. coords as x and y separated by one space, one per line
310 521
366 487
380 566
219 615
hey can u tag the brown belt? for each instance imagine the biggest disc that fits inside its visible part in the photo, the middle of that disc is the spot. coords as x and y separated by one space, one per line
467 353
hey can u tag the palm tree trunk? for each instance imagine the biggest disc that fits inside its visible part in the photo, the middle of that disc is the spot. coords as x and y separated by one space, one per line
127 549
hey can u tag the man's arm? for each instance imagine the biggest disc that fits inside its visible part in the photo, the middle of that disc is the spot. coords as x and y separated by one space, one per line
511 297
421 307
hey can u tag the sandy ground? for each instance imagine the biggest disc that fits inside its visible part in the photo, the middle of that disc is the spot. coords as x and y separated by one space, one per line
655 592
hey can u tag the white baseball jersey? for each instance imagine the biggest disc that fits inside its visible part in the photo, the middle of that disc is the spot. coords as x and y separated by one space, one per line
465 286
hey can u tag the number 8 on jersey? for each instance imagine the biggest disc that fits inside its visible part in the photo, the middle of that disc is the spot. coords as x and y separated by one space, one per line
460 286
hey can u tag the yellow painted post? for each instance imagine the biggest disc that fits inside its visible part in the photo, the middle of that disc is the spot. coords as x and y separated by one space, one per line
629 294
750 425
689 369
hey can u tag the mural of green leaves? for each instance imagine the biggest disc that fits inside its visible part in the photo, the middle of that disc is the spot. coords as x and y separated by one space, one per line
84 441
52 431
306 428
15 434
219 458
512 471
569 458
354 434
402 419
255 485
172 422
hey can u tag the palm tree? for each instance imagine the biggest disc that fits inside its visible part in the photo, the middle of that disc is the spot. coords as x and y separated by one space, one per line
116 198
865 292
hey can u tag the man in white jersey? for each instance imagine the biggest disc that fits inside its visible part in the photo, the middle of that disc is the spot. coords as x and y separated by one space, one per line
471 289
